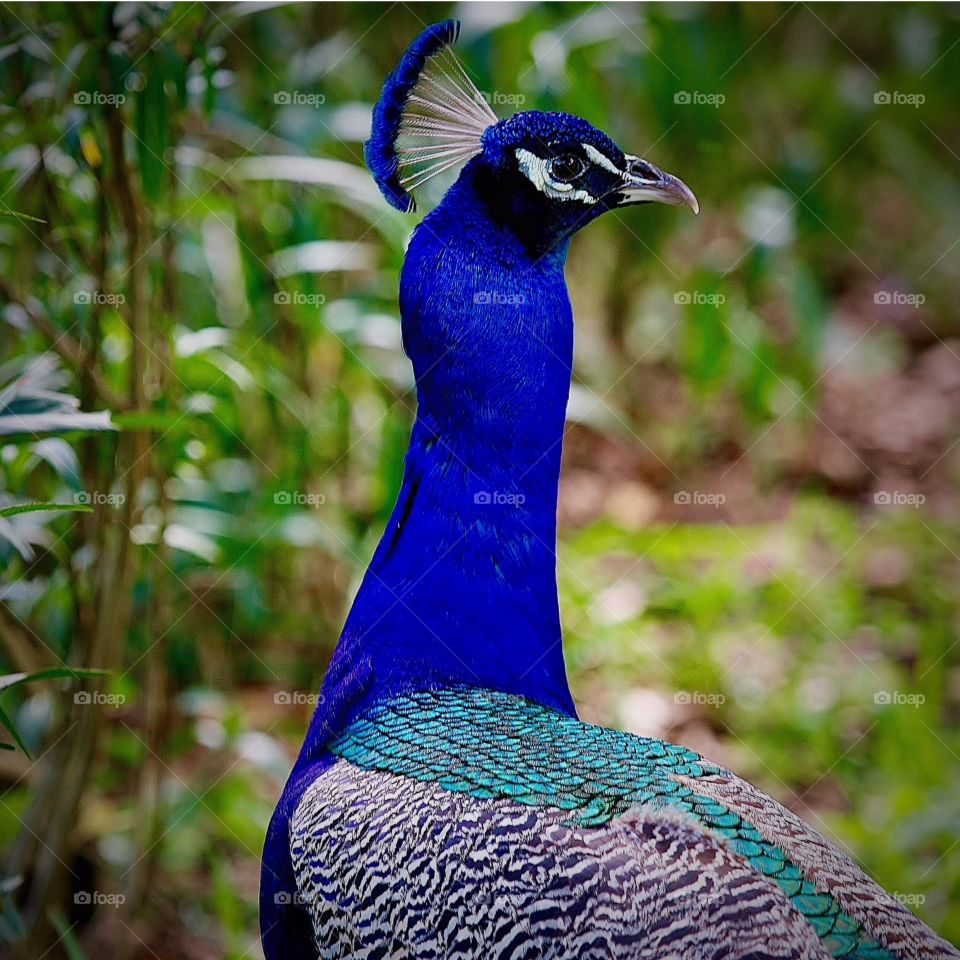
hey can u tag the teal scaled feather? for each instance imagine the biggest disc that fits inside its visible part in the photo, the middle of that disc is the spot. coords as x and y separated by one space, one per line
495 746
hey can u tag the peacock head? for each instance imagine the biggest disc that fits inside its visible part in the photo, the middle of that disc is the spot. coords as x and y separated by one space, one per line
557 169
550 169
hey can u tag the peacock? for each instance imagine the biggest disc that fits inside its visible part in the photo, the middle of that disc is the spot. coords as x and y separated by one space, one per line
447 802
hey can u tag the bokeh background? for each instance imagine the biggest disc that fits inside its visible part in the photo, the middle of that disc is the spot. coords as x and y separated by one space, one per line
759 510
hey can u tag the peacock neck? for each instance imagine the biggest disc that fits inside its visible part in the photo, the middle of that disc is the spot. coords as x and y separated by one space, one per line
462 587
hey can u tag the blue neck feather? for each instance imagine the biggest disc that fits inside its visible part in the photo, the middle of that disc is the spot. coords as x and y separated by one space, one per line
462 588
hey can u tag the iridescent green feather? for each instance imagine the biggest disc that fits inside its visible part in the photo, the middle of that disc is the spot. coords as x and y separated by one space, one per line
495 746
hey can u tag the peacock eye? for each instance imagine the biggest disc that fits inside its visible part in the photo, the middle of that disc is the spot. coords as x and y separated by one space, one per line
566 167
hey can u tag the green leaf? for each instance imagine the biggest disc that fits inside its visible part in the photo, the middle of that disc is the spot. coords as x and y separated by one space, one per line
61 457
53 673
153 135
68 939
23 216
14 679
148 420
10 534
31 405
11 923
8 725
175 70
37 507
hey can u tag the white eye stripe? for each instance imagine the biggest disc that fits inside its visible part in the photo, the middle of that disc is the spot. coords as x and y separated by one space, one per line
601 159
535 169
630 158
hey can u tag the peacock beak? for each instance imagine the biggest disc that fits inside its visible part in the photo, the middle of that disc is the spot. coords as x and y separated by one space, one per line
645 183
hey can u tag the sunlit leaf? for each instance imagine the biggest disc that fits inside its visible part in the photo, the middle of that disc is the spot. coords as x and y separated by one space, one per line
324 256
22 216
31 404
344 183
39 507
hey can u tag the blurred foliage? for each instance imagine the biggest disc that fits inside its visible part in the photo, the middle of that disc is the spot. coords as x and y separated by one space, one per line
759 523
